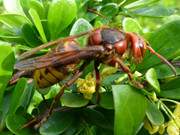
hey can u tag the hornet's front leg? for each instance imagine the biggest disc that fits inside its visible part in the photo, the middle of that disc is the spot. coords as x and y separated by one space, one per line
126 69
97 74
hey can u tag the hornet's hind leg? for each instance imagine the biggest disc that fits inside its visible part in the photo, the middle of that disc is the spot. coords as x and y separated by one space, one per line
43 118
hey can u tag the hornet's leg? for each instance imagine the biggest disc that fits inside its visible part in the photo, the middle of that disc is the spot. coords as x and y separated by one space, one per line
97 74
126 69
40 120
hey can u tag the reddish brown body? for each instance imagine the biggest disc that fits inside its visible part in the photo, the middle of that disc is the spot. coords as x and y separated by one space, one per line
120 42
104 45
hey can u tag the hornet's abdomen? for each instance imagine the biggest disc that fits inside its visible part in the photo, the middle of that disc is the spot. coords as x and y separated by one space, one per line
46 77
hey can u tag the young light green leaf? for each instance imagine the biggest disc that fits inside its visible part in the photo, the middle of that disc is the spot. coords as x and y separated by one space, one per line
12 38
57 123
14 20
132 25
6 67
140 4
38 6
154 114
13 6
73 100
81 25
61 14
153 11
35 17
152 79
130 107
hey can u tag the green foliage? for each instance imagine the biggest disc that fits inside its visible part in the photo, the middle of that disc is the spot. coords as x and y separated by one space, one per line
130 107
122 109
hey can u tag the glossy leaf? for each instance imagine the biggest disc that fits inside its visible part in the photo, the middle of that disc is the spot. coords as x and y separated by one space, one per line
163 71
15 122
38 24
171 89
109 10
36 5
6 67
14 20
154 114
57 124
4 109
152 79
29 35
96 118
61 14
153 11
132 25
106 100
21 96
73 100
124 2
13 39
130 107
165 42
140 3
80 26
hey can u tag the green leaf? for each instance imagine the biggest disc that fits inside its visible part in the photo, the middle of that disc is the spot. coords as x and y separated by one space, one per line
15 122
109 10
153 11
131 25
122 1
152 79
73 100
171 89
96 118
57 123
14 21
38 6
154 114
61 14
6 133
163 71
12 38
106 100
21 96
35 17
80 26
165 42
4 109
130 107
30 36
140 4
6 67
13 6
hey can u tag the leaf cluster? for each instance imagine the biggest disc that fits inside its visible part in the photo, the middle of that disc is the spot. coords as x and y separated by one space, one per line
123 109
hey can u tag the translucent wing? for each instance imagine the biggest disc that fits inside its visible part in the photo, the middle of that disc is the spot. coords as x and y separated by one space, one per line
60 58
56 42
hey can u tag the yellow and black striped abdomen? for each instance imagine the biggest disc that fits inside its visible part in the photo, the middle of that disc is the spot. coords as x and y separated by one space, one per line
46 77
